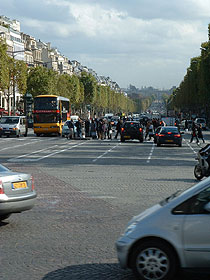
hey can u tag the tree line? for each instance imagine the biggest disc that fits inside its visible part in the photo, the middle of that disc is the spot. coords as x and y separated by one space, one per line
192 97
82 90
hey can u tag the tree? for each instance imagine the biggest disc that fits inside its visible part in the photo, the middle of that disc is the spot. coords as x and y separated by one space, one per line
42 81
89 83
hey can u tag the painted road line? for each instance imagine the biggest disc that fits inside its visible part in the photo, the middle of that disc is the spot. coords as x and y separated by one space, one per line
23 158
108 151
151 152
188 144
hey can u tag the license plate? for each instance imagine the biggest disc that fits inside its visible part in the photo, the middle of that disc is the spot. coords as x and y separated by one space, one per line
127 137
19 185
7 132
169 141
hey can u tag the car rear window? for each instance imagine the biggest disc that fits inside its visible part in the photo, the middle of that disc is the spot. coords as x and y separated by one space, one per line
130 125
166 130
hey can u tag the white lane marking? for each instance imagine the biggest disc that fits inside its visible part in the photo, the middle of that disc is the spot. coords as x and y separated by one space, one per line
22 159
190 146
12 147
151 152
106 152
25 155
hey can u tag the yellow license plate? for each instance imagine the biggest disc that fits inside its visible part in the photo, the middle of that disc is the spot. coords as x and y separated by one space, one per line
20 185
127 137
169 141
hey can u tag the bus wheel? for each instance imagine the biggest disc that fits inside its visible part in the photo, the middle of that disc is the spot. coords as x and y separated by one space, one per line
38 134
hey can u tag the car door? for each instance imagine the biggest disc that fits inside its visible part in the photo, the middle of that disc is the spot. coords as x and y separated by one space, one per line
196 231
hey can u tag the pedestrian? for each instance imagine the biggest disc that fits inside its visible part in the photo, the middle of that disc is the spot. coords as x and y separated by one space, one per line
93 129
200 133
87 128
118 128
71 129
186 125
147 129
79 128
194 133
109 130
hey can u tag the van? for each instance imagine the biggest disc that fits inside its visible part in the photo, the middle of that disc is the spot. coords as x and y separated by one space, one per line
13 125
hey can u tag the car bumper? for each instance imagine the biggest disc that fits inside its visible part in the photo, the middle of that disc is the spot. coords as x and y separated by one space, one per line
123 246
166 141
17 205
8 132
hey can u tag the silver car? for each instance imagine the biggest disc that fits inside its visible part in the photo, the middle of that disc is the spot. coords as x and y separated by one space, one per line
17 192
170 235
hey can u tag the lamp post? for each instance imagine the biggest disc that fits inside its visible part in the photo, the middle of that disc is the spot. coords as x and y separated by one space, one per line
13 53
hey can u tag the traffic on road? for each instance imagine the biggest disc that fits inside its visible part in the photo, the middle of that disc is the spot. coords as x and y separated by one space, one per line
88 188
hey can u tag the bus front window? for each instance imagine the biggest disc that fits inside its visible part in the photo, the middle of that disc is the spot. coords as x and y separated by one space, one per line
46 118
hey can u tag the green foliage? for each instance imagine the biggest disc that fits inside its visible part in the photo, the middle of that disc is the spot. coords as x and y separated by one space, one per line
89 83
42 81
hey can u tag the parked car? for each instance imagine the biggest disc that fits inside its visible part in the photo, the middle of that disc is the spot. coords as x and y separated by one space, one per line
17 192
172 234
13 125
201 121
132 130
169 135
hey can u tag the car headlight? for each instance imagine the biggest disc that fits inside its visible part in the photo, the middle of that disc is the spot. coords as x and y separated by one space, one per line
130 228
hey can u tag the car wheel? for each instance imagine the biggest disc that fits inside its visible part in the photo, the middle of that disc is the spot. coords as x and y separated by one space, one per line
4 217
198 172
154 260
141 140
122 139
158 144
180 144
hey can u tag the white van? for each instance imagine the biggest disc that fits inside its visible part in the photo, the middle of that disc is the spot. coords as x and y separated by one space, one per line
13 125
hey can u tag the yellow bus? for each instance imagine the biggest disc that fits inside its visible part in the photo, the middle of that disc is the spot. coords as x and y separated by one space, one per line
50 113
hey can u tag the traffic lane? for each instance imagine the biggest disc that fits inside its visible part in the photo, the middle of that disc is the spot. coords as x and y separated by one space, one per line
85 152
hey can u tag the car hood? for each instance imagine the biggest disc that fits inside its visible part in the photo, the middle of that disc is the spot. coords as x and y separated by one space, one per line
145 213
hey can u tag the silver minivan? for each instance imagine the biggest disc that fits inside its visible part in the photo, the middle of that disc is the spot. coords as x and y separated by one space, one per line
170 235
13 125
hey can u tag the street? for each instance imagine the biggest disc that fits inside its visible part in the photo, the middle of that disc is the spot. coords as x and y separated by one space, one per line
87 192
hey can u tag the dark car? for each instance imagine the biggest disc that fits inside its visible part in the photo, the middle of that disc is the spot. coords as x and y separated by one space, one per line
169 135
132 130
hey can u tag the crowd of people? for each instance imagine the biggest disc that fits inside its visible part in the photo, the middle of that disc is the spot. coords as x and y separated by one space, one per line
98 128
102 128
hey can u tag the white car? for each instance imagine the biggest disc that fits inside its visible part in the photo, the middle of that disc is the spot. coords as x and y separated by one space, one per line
170 235
201 121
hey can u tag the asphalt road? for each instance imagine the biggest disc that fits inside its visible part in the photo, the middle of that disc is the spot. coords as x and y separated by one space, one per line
87 192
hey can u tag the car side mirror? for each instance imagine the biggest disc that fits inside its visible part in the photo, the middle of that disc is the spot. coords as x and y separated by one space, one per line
207 207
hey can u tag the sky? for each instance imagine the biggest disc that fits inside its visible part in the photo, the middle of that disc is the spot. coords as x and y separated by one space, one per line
138 42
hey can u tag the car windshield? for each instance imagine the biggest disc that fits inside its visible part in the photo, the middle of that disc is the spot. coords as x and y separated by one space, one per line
9 120
171 129
3 169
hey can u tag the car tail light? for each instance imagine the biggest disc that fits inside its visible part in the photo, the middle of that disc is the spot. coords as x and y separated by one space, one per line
140 129
122 129
177 135
1 187
156 134
160 135
169 132
32 183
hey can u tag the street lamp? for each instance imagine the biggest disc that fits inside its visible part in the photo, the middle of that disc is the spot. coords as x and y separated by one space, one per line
13 82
